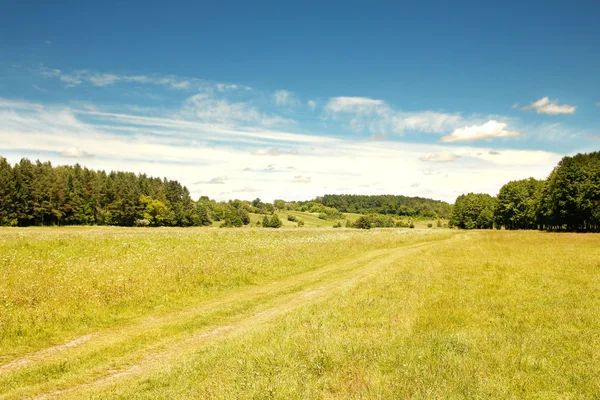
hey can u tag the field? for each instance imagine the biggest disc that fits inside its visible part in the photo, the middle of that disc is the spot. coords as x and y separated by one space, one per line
298 313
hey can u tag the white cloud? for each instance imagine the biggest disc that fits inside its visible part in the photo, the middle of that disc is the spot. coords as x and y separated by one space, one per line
547 106
181 147
219 180
311 104
301 179
440 157
181 84
222 87
273 151
75 153
377 117
284 98
353 104
489 130
246 189
425 121
516 105
99 79
205 107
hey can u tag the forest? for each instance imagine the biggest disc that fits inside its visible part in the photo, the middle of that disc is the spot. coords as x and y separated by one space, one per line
37 193
387 204
568 200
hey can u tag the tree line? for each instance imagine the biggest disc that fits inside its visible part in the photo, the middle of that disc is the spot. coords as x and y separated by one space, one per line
387 205
37 194
568 200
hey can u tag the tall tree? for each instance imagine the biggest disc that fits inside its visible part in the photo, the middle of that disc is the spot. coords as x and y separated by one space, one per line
517 204
473 211
8 201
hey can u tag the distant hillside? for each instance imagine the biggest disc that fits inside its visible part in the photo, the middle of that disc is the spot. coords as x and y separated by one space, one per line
387 204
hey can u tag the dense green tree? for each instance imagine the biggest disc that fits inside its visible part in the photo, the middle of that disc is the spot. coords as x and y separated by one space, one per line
8 201
517 204
155 211
384 204
570 199
279 204
273 222
473 211
202 212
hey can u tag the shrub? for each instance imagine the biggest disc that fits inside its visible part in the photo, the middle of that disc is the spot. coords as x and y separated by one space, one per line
142 222
292 218
430 225
273 222
300 222
362 222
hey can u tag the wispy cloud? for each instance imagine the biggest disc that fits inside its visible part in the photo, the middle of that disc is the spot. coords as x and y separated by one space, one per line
301 179
99 79
311 104
490 130
547 106
246 189
378 117
272 151
219 180
285 98
208 108
74 152
440 157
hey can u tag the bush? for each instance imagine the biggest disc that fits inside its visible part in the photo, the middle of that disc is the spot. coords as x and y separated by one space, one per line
273 222
430 225
362 223
292 218
300 222
338 225
142 222
401 224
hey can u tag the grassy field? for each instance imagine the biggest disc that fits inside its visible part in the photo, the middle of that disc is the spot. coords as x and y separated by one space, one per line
298 313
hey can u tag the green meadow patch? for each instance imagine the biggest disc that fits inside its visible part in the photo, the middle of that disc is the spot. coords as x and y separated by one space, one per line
299 313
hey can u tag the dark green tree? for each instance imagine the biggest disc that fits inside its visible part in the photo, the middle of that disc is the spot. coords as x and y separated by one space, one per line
473 211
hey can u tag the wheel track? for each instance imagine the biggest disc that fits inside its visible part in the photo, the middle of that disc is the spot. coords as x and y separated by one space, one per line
290 293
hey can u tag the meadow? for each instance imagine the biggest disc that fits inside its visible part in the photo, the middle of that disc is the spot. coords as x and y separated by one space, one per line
92 312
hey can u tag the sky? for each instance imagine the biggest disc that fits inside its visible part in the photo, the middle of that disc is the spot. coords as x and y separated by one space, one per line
292 100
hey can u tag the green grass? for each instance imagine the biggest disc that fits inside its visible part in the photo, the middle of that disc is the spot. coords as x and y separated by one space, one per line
378 314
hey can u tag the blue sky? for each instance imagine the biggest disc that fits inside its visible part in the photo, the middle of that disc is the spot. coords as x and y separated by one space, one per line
297 99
